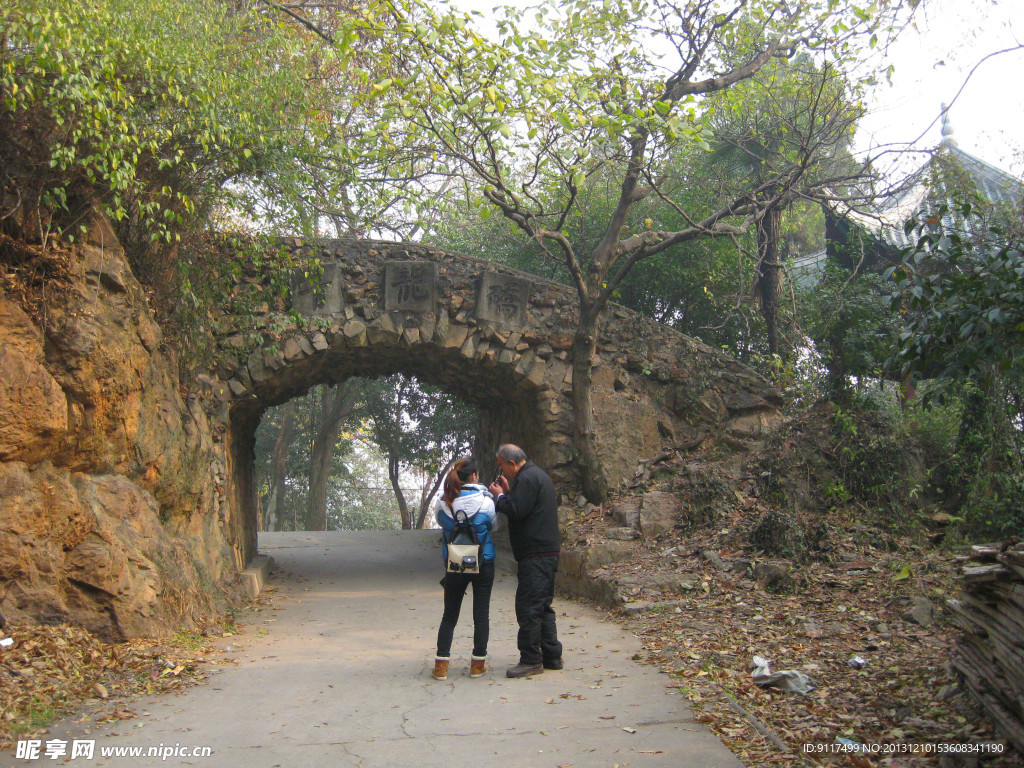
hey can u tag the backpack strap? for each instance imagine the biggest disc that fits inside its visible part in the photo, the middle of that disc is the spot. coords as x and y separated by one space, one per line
463 527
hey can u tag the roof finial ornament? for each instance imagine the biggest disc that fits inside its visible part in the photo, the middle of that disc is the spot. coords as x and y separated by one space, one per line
947 128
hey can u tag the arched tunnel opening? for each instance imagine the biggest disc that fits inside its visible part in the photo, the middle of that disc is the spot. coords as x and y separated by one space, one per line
365 454
503 405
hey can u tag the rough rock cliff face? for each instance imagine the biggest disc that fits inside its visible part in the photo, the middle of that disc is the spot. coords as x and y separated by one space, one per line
112 514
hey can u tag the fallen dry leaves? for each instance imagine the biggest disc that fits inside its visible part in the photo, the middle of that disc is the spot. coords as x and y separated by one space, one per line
900 694
49 671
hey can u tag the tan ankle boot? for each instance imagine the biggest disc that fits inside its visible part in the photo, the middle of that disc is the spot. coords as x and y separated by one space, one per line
477 666
440 671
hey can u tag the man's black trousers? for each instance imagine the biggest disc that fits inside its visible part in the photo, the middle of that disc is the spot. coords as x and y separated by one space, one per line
538 637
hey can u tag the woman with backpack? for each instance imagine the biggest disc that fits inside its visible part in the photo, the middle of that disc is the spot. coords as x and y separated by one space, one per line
464 496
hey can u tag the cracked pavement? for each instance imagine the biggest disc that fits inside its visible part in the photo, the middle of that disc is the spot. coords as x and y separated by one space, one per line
335 671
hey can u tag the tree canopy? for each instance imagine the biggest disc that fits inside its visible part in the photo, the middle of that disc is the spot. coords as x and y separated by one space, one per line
362 454
147 108
170 115
962 299
308 117
581 90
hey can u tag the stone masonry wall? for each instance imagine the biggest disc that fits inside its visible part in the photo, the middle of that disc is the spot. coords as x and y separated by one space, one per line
494 337
127 505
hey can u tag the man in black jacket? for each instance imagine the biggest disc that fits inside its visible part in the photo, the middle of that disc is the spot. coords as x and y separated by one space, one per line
527 498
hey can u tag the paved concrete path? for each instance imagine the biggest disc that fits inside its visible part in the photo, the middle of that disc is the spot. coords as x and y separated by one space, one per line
336 673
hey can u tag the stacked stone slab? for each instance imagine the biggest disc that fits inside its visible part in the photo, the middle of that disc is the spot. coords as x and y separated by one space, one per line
989 655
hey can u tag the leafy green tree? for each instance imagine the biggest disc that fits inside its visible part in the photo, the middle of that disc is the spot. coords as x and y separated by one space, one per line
360 495
172 116
699 287
146 108
847 316
963 298
335 406
274 440
352 184
417 427
301 452
792 114
526 121
458 227
960 290
347 456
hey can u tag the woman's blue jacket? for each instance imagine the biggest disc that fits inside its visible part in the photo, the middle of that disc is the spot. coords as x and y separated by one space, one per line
478 504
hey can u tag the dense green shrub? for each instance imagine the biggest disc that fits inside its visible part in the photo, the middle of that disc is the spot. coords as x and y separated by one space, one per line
156 111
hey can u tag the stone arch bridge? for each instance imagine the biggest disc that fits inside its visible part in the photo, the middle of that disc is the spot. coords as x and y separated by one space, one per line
494 337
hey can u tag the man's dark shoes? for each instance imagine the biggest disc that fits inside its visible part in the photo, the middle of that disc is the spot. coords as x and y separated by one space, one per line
554 663
524 670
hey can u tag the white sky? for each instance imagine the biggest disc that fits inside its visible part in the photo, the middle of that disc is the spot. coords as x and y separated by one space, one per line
932 60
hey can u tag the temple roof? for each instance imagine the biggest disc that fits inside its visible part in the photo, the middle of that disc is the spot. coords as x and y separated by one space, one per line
937 184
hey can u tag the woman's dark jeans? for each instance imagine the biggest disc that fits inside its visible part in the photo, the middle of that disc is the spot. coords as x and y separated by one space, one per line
455 585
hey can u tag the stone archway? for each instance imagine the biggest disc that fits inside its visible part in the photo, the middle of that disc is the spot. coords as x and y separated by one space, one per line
134 494
494 337
509 405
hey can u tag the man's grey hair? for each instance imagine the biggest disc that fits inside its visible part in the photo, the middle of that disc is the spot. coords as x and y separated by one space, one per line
512 453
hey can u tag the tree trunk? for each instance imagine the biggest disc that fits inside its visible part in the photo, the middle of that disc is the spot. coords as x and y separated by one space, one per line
267 512
320 461
837 382
426 497
278 466
584 351
403 506
336 407
768 274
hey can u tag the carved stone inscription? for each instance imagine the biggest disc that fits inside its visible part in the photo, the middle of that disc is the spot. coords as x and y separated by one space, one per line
318 295
503 298
410 285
